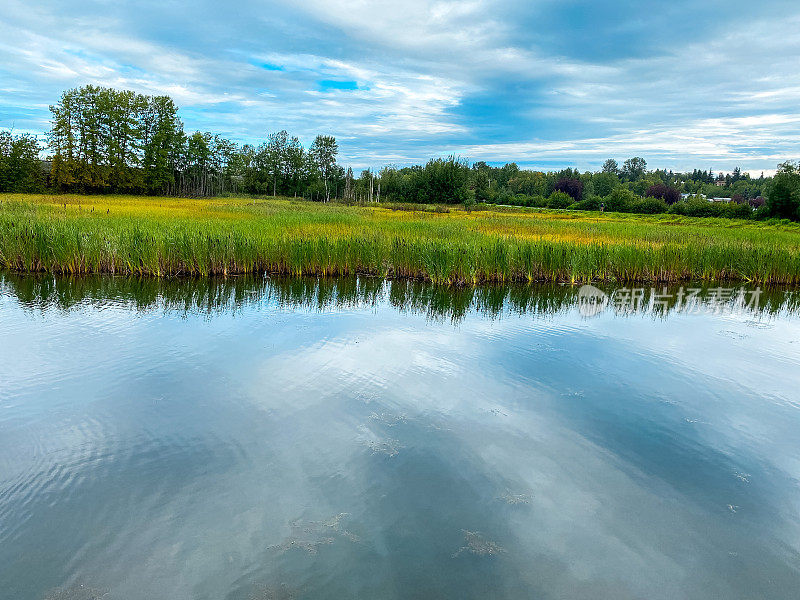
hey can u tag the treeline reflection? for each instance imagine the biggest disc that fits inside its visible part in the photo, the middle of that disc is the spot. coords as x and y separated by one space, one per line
214 296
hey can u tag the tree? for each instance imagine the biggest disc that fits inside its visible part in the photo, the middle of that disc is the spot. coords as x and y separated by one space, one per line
634 168
293 165
604 182
611 166
571 187
197 161
276 151
104 139
323 152
531 183
664 192
620 199
506 173
162 143
442 181
20 167
480 185
783 199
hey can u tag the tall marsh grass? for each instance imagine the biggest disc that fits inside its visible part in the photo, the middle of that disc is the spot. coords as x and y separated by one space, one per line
172 237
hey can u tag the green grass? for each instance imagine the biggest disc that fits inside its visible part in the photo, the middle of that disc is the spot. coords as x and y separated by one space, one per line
174 236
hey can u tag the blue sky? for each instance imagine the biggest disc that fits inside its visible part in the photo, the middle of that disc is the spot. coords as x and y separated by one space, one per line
544 83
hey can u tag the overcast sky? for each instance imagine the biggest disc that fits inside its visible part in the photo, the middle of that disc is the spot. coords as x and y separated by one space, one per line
709 84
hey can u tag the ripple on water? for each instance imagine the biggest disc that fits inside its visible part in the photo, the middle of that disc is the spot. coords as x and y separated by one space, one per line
476 543
309 536
78 591
273 592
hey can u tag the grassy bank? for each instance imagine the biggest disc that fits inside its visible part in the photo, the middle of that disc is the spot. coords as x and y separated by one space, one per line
173 236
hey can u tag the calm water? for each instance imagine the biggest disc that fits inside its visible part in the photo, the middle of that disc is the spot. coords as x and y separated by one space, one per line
296 439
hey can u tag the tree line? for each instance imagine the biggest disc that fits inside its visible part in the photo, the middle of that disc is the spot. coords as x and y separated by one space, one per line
104 140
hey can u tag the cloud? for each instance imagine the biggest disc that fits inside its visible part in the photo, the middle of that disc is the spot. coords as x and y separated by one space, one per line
543 83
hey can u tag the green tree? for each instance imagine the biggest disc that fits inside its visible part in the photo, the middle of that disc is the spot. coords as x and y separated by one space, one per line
293 164
783 198
276 151
443 181
611 166
162 142
323 153
620 199
20 167
634 168
604 182
480 185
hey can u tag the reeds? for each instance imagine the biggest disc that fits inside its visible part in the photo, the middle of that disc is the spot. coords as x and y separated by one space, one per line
165 237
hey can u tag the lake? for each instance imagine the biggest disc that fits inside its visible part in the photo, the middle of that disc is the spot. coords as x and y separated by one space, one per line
258 439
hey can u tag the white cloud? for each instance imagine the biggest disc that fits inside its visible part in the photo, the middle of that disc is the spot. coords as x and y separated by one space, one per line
477 78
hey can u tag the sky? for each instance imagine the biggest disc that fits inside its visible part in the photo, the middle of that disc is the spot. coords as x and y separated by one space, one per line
544 83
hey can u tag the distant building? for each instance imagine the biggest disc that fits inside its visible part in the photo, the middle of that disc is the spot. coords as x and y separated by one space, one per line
722 200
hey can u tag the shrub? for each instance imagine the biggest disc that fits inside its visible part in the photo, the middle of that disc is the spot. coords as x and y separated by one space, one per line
620 199
761 213
650 206
559 199
588 203
504 197
538 201
736 210
469 200
697 207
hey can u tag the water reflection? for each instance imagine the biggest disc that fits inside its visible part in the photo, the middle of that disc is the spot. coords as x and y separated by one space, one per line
299 438
227 295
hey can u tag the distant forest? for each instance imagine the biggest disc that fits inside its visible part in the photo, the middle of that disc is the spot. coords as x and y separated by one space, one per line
104 140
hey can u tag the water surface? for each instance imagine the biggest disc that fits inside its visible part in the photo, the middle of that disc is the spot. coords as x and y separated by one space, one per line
255 439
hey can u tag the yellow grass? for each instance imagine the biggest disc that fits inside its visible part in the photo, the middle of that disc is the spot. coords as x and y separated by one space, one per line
179 236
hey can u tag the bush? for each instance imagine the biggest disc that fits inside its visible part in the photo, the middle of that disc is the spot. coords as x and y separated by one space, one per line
649 206
697 207
588 203
738 211
761 213
469 201
559 199
504 197
620 199
525 200
538 201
